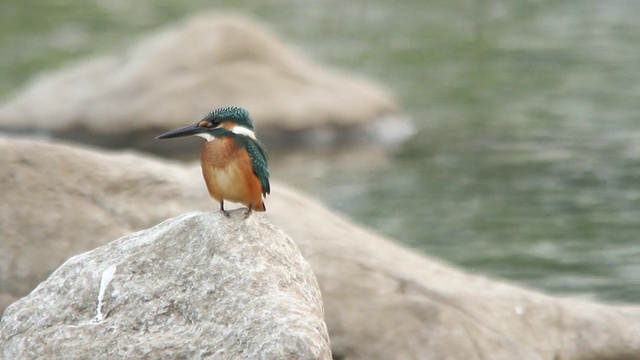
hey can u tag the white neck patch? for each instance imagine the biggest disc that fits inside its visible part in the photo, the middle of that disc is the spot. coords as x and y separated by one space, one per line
205 136
241 130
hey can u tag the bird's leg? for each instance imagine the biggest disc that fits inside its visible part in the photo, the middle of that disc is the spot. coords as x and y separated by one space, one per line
222 210
248 212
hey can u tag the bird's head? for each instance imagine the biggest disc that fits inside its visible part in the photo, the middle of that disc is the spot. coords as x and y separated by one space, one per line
227 119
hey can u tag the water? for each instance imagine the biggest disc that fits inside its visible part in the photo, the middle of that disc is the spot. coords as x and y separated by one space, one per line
526 165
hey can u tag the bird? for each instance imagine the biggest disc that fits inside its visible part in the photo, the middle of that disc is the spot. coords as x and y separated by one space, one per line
234 162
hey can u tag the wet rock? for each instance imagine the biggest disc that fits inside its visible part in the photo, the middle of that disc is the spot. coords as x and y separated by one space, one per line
195 286
382 301
176 76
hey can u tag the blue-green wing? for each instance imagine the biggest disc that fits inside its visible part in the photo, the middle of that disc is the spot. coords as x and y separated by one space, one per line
260 161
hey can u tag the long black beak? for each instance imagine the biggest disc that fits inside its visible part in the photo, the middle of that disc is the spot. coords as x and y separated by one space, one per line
185 131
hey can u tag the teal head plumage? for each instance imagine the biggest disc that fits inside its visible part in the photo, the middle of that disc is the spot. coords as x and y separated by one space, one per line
235 114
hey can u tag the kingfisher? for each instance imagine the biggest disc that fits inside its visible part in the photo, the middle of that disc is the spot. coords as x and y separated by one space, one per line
234 162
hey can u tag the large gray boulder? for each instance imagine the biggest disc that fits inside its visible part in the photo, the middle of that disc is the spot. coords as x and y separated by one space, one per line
177 75
382 301
196 286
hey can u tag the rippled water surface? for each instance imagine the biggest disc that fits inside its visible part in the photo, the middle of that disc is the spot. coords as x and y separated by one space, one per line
526 165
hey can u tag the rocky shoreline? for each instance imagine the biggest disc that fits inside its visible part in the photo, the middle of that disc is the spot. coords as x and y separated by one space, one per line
106 253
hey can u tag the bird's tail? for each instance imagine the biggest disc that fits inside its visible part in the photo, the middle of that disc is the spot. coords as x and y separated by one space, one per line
260 207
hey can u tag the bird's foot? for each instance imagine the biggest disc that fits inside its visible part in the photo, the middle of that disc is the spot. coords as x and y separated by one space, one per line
248 212
222 210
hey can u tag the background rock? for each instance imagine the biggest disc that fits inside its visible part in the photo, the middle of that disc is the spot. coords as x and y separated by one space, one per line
382 301
176 76
196 286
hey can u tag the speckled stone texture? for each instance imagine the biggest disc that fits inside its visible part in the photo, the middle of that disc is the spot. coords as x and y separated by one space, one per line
196 286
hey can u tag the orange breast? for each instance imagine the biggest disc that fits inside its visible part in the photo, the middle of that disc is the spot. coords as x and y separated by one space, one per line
228 173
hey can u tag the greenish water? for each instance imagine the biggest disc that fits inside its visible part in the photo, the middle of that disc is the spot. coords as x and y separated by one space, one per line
527 162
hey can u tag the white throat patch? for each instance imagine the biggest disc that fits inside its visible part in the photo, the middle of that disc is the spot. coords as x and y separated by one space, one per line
205 136
241 130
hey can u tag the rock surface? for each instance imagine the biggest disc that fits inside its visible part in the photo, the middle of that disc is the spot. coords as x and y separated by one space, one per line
382 301
196 286
173 78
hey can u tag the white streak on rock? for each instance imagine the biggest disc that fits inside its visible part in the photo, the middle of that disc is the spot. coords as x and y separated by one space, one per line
107 277
519 310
